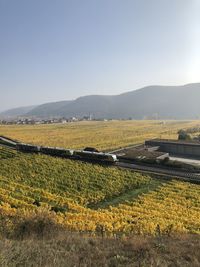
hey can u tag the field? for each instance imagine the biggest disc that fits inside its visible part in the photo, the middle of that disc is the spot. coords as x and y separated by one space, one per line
84 197
96 199
103 135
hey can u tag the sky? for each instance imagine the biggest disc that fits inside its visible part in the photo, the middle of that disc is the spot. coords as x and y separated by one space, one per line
53 50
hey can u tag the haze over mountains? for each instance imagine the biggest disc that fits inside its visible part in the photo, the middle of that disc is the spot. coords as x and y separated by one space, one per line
16 111
164 102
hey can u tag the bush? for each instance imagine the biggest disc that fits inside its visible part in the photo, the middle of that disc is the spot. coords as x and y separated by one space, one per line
183 135
40 224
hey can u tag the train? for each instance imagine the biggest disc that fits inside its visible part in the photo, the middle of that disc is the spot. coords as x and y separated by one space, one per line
95 156
84 155
56 151
7 141
87 154
27 148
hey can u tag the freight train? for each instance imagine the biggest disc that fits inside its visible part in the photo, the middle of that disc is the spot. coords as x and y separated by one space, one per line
64 153
88 154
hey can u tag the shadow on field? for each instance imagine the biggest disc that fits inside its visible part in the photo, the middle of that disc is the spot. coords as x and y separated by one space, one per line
39 240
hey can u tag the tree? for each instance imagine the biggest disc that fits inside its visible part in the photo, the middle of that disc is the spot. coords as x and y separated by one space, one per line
183 135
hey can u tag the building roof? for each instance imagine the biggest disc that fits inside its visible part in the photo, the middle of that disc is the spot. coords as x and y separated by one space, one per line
140 152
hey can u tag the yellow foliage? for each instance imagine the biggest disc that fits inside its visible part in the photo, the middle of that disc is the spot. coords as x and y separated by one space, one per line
103 135
33 183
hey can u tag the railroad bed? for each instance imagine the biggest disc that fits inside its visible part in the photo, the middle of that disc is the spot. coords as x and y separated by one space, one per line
186 176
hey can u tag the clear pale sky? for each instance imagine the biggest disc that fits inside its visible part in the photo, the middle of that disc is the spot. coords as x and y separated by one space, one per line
54 50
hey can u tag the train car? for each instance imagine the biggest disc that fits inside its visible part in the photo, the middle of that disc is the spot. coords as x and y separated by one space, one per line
56 151
7 141
27 148
95 156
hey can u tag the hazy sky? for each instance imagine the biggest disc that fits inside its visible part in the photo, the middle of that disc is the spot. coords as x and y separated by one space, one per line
59 49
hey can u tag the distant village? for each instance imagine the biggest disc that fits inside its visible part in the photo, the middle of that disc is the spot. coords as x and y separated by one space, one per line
32 121
50 120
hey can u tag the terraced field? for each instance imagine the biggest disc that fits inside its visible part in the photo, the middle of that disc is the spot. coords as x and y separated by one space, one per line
106 135
87 197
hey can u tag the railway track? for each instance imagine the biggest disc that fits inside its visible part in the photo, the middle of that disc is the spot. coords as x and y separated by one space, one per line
186 176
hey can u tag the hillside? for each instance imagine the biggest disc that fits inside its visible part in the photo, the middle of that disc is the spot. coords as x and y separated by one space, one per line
48 109
16 112
165 102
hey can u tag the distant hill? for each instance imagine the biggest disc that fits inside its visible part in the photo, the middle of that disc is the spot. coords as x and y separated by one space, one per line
16 112
164 102
49 109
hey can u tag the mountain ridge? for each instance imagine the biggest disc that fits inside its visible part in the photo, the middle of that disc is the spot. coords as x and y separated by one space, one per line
19 111
155 101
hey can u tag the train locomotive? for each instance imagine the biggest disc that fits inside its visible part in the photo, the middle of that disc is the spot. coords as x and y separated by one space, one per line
95 156
7 141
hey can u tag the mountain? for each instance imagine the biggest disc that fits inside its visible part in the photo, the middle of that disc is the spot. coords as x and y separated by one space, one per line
165 102
49 109
16 112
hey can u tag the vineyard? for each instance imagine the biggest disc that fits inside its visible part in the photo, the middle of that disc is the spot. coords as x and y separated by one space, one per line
104 135
93 198
7 153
